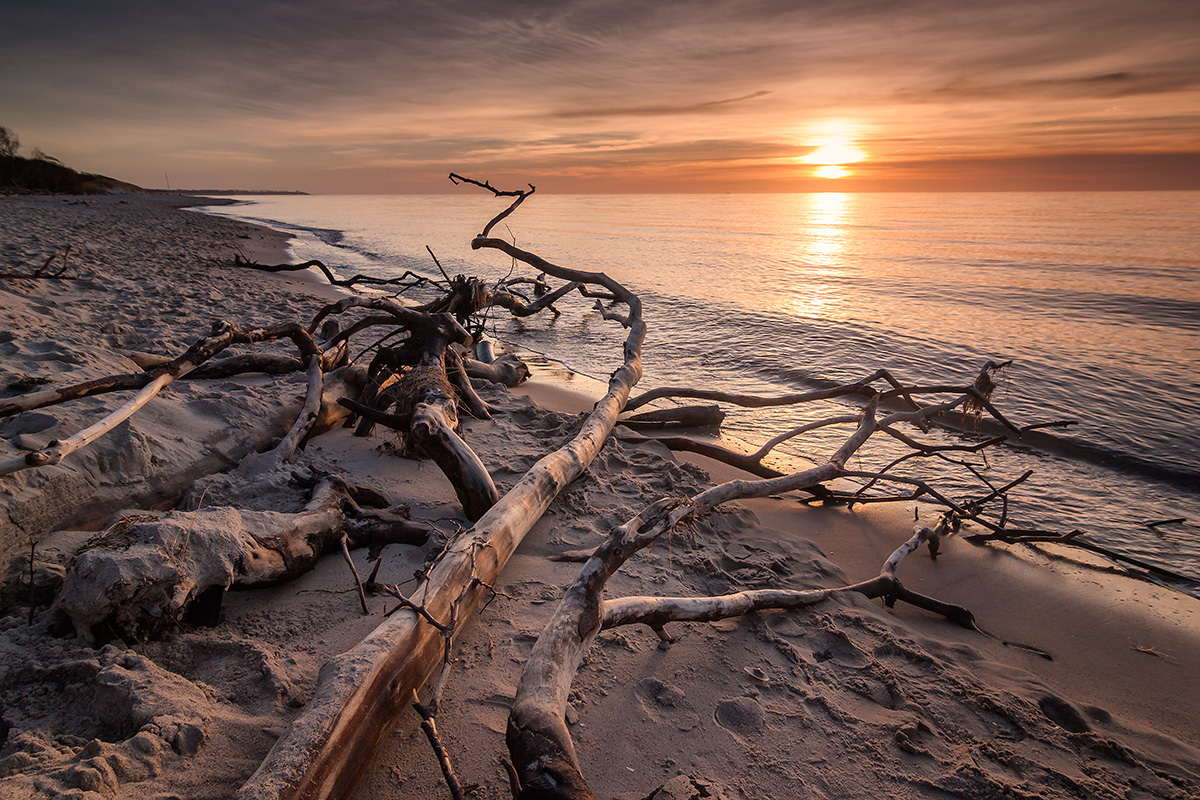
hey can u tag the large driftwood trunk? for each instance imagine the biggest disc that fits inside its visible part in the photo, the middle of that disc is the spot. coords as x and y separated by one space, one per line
362 693
365 690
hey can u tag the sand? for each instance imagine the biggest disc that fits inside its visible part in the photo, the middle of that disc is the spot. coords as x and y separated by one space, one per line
846 699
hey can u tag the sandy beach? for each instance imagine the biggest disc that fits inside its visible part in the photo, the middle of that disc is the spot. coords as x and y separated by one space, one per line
1082 686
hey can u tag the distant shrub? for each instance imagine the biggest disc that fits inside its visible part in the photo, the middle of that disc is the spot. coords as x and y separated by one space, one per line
38 176
9 143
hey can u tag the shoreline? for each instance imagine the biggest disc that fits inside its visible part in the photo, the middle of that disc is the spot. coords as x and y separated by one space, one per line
1108 475
888 672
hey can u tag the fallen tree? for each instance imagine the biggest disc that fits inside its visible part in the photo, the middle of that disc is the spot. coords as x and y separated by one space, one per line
364 692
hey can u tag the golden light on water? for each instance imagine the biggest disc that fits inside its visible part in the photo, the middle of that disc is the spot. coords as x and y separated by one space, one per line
818 294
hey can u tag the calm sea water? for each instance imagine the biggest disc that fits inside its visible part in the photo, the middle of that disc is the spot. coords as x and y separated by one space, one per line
1095 296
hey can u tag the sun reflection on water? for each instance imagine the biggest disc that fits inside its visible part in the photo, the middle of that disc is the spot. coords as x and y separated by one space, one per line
826 216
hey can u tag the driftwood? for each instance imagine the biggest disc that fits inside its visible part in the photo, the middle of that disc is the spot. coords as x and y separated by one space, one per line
545 764
363 692
223 336
456 372
407 281
542 752
42 272
683 417
148 571
507 369
425 393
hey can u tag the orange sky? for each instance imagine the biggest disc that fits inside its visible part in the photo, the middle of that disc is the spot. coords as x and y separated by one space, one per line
591 95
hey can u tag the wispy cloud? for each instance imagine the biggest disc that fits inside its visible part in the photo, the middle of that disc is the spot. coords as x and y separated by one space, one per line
325 88
711 106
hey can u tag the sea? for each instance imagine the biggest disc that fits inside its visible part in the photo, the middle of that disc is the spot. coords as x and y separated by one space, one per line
1093 296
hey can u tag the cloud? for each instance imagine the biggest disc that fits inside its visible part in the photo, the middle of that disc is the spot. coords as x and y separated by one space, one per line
710 106
327 86
1111 85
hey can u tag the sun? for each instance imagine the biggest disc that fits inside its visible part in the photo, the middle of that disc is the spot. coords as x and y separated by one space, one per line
831 171
835 154
831 157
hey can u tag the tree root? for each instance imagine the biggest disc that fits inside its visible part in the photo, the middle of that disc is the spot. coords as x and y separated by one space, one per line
146 572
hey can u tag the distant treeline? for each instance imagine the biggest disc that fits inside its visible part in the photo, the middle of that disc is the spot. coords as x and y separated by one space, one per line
20 175
223 191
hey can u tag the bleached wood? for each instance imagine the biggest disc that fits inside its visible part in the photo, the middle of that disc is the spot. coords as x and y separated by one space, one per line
361 693
223 336
159 566
286 449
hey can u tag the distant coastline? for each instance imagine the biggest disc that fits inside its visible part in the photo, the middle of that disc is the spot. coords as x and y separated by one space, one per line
223 191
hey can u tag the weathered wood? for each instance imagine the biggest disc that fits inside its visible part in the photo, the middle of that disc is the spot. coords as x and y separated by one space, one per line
457 373
344 383
433 424
267 363
542 751
363 692
681 417
520 308
860 388
286 449
145 572
507 369
408 279
222 337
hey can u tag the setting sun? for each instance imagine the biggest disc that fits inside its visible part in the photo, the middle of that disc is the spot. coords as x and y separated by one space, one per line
835 154
830 157
831 171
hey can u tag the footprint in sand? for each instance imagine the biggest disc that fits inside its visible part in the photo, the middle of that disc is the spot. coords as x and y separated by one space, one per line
741 715
1063 714
666 703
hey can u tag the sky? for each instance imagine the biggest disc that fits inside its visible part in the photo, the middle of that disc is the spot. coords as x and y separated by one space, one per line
366 96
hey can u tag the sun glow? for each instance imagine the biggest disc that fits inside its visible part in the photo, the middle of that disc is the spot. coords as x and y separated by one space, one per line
830 154
831 171
830 157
